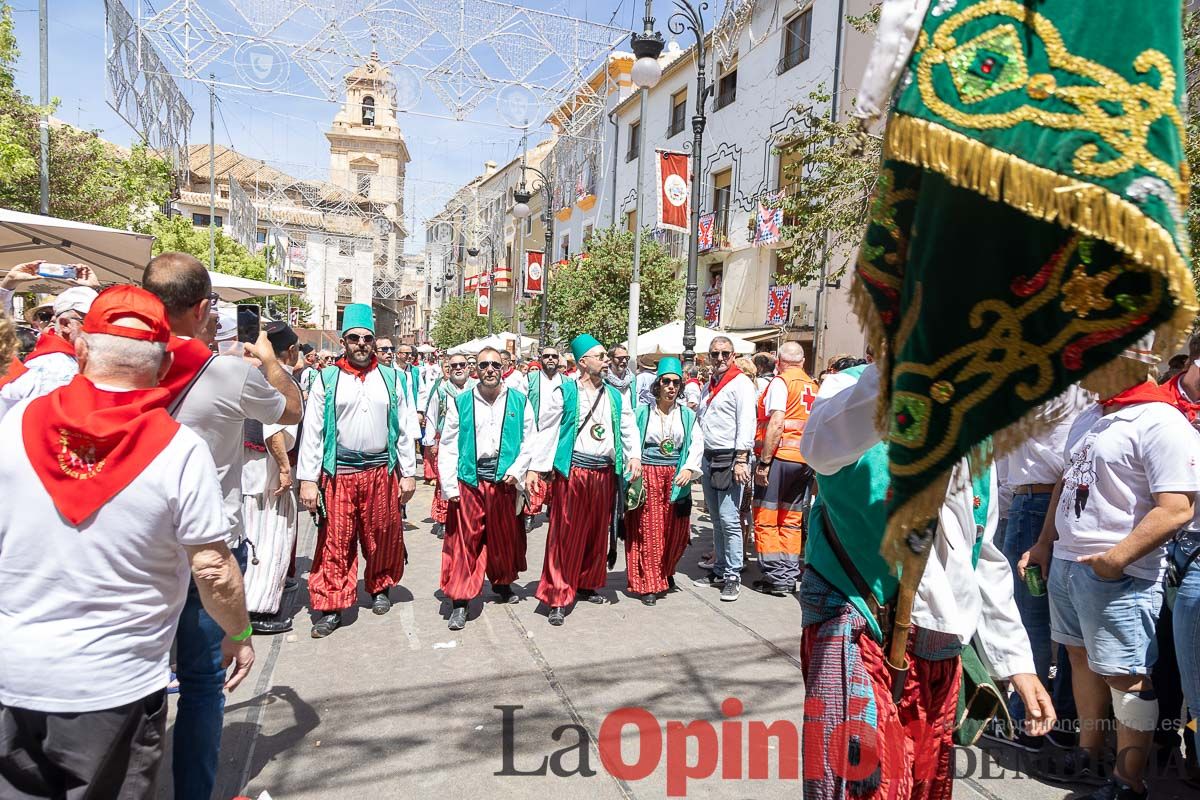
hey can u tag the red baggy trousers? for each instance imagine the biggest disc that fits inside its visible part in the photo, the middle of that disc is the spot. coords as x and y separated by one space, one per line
483 536
581 509
361 507
655 536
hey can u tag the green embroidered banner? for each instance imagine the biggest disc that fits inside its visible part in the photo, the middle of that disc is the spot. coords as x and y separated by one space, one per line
1027 226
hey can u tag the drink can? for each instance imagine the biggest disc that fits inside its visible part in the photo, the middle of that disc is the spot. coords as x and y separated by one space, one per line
1034 581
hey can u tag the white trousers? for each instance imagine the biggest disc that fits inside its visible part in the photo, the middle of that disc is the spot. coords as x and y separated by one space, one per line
270 524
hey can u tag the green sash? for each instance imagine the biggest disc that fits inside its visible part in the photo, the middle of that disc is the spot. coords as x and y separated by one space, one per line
535 396
689 419
329 379
568 428
512 432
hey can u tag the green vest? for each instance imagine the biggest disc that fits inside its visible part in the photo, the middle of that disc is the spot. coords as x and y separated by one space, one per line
329 379
689 419
535 396
414 386
512 433
568 428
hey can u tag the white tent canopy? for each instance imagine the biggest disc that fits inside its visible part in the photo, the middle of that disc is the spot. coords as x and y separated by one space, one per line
117 256
231 288
667 340
498 341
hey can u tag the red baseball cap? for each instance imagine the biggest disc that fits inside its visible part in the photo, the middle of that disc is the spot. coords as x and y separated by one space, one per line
124 302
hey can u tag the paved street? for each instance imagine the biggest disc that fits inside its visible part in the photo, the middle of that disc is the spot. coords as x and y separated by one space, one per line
398 706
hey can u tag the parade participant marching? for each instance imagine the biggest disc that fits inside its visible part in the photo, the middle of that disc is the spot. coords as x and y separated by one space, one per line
546 397
590 443
482 460
848 594
269 509
656 532
780 475
513 378
356 466
621 377
441 397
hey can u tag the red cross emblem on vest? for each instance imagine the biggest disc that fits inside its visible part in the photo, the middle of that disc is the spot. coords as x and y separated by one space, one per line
808 398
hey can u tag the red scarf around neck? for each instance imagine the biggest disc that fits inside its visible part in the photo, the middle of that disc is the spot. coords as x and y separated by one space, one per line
50 342
190 356
87 444
716 387
15 370
1176 397
344 365
1147 392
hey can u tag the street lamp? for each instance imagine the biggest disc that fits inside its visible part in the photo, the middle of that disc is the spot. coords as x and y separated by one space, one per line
688 17
521 211
647 46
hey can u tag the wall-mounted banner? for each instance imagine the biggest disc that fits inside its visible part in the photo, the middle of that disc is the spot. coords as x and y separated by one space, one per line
535 273
483 300
674 189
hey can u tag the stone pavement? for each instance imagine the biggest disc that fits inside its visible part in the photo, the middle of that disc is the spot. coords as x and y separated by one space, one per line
399 706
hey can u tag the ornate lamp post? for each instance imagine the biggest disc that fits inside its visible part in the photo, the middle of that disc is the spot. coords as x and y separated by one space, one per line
646 72
688 17
521 211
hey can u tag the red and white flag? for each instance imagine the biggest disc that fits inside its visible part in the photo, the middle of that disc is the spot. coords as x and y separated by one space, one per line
483 300
674 189
535 272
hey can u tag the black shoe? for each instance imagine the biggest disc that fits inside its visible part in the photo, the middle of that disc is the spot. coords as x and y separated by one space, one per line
438 530
649 599
505 593
1070 766
671 587
557 616
327 625
591 596
270 626
1116 789
766 587
528 523
714 579
1064 739
382 604
458 618
730 589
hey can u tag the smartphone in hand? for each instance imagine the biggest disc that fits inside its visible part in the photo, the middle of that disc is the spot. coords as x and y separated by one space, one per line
249 322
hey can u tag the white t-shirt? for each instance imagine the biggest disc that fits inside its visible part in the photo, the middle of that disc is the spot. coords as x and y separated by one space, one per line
88 614
229 392
777 395
1115 464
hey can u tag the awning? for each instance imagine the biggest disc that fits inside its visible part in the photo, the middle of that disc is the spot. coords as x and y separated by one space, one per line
667 340
232 288
117 256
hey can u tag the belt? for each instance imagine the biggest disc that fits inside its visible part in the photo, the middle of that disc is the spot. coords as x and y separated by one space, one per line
1034 488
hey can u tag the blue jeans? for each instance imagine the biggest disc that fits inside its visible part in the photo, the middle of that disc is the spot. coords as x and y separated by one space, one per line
201 710
1187 624
727 525
1025 518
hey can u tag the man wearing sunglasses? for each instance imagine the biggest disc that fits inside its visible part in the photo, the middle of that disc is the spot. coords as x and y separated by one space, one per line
483 459
386 351
356 469
545 396
52 363
727 419
592 445
441 397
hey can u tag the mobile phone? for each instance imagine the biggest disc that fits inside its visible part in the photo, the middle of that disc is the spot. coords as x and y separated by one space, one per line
61 271
249 322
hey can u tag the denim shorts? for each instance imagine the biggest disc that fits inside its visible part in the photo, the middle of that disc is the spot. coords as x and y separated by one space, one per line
1113 620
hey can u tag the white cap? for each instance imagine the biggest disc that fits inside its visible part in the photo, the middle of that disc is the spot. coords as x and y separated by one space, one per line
1142 350
227 327
77 298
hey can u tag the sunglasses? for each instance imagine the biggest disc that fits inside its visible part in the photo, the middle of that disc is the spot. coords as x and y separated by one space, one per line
720 354
45 315
549 356
365 338
620 358
496 365
459 365
669 381
387 349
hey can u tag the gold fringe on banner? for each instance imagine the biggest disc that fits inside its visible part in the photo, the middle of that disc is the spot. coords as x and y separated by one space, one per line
1088 209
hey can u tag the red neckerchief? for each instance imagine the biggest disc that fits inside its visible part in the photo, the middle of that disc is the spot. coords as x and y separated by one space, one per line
1148 392
691 380
50 342
15 370
504 375
345 366
1175 396
190 355
86 444
729 375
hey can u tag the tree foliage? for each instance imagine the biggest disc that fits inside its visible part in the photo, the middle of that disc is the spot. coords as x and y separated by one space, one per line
90 180
590 292
456 321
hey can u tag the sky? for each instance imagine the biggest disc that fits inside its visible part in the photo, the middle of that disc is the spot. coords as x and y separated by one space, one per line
284 130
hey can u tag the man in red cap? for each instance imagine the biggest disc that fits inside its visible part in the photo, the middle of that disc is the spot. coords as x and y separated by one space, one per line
117 500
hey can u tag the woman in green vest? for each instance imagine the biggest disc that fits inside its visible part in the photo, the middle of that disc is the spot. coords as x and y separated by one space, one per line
656 531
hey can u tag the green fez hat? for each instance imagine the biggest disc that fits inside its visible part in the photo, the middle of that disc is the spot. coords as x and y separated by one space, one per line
669 365
358 315
582 343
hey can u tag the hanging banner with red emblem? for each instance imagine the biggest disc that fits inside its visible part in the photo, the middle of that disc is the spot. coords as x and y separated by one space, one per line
779 304
483 300
674 188
535 273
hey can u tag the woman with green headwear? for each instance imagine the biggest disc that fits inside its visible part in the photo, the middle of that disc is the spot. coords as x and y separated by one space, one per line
656 531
